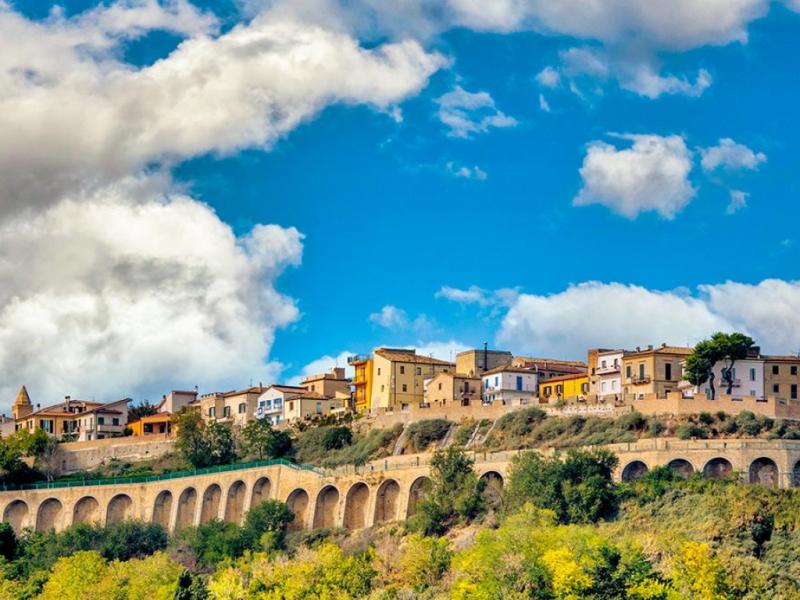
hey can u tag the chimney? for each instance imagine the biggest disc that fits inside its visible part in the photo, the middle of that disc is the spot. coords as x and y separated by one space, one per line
663 344
649 346
638 349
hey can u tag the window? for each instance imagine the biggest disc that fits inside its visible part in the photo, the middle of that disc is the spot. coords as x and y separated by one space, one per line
547 390
379 370
101 420
226 411
277 402
440 386
776 369
115 421
668 371
628 371
613 384
641 371
242 408
405 387
776 388
496 381
793 369
466 387
752 375
793 391
584 388
402 370
212 411
559 389
319 407
752 392
419 370
603 364
616 362
486 384
519 383
291 405
602 386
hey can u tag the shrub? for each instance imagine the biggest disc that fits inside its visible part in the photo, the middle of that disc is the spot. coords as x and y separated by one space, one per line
335 438
634 421
705 418
748 423
213 541
520 422
687 431
422 434
265 525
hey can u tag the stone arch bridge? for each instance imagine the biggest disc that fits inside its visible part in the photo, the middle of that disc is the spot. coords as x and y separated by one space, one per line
353 498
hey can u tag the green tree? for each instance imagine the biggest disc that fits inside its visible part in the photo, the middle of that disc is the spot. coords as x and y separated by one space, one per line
213 541
336 438
75 577
191 441
261 440
265 525
221 444
8 541
143 409
131 539
725 347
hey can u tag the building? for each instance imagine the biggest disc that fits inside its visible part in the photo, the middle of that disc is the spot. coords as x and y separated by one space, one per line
605 374
7 426
546 368
235 408
475 362
328 384
655 371
176 400
564 387
782 376
398 377
362 382
447 389
510 386
308 405
747 375
157 424
72 419
272 401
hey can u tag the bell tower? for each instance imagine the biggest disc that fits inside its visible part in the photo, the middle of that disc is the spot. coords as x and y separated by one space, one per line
22 406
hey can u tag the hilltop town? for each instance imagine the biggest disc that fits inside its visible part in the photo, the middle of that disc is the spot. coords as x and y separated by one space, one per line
398 385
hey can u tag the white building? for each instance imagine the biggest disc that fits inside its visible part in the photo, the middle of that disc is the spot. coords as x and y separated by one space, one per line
272 402
511 386
609 374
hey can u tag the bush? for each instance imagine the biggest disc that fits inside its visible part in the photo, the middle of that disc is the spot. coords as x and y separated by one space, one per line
335 438
706 418
520 422
265 525
748 423
688 431
422 434
634 421
213 541
131 539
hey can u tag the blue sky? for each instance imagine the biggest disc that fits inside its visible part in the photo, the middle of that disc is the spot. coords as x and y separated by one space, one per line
393 204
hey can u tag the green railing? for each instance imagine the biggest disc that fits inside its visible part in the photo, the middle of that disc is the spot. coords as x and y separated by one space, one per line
68 483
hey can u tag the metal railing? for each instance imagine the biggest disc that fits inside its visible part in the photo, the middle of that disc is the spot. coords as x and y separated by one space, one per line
67 483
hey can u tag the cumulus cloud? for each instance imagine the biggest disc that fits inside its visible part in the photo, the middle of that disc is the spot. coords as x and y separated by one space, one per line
324 364
477 295
596 314
544 105
730 155
396 319
651 175
466 172
119 291
466 113
738 201
213 93
549 77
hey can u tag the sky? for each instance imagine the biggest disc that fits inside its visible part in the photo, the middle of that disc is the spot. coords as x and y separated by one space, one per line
243 191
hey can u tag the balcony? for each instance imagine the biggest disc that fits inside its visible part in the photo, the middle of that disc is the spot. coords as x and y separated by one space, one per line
357 358
637 380
608 369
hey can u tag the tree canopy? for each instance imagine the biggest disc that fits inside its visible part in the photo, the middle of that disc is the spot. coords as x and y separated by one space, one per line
726 347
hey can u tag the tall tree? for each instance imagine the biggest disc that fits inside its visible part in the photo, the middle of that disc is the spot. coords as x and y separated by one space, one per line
725 347
259 439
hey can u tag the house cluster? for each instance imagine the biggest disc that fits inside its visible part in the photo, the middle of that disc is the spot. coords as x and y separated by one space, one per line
400 382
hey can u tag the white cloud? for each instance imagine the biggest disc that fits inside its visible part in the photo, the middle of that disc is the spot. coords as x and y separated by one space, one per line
396 319
443 350
738 201
730 155
323 364
651 175
467 113
117 292
214 93
477 295
465 172
596 314
549 77
544 105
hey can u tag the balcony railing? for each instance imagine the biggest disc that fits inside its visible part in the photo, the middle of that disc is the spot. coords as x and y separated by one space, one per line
640 380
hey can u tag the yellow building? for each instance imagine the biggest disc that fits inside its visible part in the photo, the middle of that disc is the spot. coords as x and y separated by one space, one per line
157 424
782 377
328 384
563 387
451 389
653 370
475 362
362 382
398 377
309 405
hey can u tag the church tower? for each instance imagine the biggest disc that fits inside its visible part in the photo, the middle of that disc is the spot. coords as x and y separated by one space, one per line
22 406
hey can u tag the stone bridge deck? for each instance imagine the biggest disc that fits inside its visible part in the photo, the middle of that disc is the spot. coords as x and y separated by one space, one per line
353 498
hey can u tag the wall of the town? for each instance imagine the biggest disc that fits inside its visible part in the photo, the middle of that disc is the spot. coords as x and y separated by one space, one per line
80 456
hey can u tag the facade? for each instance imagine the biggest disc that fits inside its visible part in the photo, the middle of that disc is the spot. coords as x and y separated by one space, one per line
74 419
328 384
510 386
605 374
235 408
655 371
546 368
362 382
308 405
475 362
176 400
272 401
157 424
210 405
564 387
748 379
447 389
398 377
782 376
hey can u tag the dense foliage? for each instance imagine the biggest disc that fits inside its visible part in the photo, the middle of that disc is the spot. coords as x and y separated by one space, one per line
725 347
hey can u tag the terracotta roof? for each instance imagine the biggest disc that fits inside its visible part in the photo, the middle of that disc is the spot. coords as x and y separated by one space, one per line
22 397
548 361
682 350
57 410
410 356
563 378
251 390
288 388
508 369
778 358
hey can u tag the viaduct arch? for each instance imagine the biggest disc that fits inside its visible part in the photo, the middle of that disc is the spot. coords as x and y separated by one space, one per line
378 492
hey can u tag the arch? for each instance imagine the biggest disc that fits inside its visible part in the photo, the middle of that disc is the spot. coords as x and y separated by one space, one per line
16 515
298 504
325 508
234 505
718 468
355 506
493 487
261 490
86 510
634 470
49 514
386 501
162 509
187 507
210 507
764 471
796 474
119 509
416 492
681 467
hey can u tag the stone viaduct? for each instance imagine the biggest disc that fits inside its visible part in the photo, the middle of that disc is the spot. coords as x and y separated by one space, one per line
353 498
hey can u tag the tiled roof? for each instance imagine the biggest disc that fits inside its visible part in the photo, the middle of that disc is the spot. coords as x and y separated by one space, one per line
518 360
682 350
410 356
288 388
508 369
779 358
563 378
